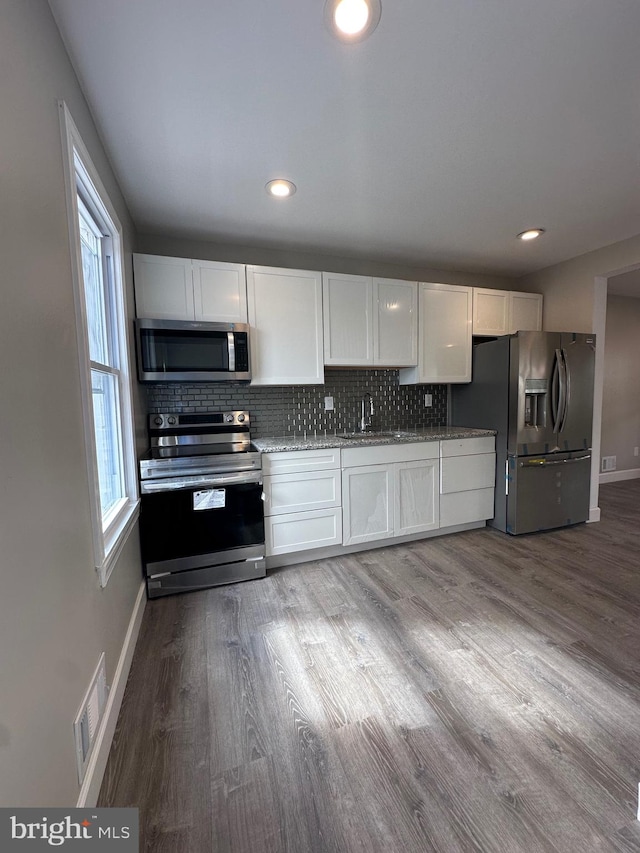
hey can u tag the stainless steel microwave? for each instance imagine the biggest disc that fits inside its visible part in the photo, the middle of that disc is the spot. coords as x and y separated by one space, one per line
184 351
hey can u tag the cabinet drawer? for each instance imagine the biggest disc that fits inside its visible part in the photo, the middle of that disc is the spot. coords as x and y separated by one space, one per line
467 446
293 461
465 473
382 454
466 507
302 531
286 493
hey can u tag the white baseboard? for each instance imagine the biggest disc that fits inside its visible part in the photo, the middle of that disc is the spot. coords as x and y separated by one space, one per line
100 753
594 514
615 476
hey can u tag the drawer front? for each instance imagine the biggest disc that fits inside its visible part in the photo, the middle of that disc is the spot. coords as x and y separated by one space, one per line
382 454
303 531
287 493
465 507
465 473
467 446
292 461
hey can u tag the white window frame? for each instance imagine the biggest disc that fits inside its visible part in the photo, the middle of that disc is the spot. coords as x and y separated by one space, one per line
111 531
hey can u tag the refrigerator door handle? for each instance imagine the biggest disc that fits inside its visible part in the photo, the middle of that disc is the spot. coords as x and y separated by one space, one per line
555 395
541 463
564 389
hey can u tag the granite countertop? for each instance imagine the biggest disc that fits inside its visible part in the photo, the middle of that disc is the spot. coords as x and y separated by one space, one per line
401 436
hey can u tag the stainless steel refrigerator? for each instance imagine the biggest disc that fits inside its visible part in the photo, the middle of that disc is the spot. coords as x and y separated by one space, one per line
536 390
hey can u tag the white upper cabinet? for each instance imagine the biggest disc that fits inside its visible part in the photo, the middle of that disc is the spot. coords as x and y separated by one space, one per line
395 322
164 287
369 321
490 311
185 289
219 292
526 312
347 319
501 312
445 314
285 312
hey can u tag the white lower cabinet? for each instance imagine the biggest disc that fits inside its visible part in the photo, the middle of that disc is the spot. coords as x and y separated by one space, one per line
416 496
302 500
301 531
328 497
367 514
395 496
467 480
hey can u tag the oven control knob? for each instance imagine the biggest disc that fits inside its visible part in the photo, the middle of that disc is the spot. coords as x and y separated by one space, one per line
158 421
241 419
171 420
228 418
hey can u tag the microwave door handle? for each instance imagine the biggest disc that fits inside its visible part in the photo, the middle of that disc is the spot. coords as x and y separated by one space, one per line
231 346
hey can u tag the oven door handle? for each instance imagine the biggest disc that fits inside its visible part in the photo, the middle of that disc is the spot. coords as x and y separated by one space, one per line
198 482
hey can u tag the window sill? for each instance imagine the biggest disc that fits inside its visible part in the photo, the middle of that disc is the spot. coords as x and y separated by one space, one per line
115 539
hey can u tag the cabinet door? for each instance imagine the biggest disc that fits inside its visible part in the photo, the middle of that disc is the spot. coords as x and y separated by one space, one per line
416 497
163 287
301 492
367 503
490 311
526 312
348 319
466 507
219 292
302 531
444 335
285 311
465 473
395 322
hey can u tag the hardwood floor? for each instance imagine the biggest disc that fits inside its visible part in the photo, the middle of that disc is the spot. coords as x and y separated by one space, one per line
474 692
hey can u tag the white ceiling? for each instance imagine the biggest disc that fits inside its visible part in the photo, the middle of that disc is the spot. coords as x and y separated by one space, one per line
457 124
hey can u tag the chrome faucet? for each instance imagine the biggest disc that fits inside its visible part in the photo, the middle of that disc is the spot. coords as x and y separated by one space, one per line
365 418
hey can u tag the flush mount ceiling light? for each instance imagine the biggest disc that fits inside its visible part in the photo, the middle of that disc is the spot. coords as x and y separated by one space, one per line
530 234
352 20
279 188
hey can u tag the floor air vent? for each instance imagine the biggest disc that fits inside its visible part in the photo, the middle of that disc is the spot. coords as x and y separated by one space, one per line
608 464
89 716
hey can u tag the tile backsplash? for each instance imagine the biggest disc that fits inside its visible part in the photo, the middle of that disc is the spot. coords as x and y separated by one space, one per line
299 409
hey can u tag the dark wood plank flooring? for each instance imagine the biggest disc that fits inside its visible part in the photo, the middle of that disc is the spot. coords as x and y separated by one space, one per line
474 692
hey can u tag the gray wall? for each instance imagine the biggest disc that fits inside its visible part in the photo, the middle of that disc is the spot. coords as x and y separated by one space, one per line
232 253
621 400
55 620
570 296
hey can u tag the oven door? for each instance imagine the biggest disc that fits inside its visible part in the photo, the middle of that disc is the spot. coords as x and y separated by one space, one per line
190 525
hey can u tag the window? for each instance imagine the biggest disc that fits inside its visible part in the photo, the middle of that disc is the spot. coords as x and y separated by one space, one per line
102 342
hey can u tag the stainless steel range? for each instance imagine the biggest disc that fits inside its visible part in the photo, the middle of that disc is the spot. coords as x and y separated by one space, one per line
201 519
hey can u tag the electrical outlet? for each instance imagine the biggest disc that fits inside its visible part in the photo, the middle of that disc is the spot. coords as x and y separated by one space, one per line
428 400
635 451
328 404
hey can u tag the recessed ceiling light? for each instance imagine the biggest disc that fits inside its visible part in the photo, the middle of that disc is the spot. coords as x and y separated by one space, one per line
530 234
352 20
280 188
